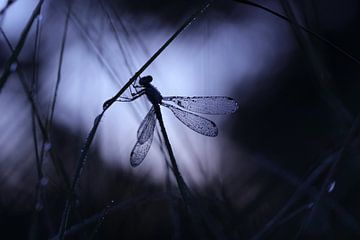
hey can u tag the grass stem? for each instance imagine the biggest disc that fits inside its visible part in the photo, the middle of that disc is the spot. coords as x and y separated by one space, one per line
106 106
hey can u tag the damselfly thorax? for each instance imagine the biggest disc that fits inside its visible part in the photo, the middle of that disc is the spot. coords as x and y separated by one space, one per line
151 92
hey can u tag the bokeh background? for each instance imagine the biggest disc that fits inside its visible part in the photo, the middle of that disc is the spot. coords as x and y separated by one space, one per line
284 166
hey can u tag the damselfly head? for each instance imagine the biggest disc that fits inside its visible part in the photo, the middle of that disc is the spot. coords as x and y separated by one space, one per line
145 80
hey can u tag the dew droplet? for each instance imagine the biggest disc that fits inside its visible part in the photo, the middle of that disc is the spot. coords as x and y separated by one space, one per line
44 181
97 119
39 206
331 186
13 67
40 17
47 146
106 105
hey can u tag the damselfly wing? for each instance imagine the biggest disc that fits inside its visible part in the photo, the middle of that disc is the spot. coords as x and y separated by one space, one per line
145 136
184 108
187 105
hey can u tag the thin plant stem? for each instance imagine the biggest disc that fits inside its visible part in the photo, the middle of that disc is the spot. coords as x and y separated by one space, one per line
196 211
38 187
57 163
14 56
91 43
332 162
123 205
4 10
107 104
317 65
299 192
61 58
305 29
350 136
117 37
8 4
33 89
187 23
184 190
312 191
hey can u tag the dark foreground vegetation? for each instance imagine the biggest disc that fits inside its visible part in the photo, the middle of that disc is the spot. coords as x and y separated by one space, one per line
289 158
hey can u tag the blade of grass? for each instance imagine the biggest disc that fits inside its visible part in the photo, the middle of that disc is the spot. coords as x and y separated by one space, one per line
350 136
8 4
16 52
197 212
5 8
33 233
312 191
106 105
86 36
56 161
33 91
123 205
329 162
49 122
307 30
117 37
298 193
318 66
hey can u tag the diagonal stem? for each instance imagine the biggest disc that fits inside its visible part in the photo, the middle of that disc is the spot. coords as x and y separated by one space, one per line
14 56
305 29
197 212
85 149
184 190
57 162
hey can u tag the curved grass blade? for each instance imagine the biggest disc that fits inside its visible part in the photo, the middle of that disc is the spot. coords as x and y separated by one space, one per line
140 151
305 29
215 105
147 126
195 122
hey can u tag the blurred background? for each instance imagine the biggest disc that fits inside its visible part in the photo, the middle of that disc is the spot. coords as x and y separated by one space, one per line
284 166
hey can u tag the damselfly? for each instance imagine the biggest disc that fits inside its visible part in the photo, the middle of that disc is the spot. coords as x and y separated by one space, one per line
184 108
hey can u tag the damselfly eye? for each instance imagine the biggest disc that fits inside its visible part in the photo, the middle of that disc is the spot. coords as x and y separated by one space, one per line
145 80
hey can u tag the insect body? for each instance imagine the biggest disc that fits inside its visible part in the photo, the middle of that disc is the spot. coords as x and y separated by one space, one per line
184 108
151 92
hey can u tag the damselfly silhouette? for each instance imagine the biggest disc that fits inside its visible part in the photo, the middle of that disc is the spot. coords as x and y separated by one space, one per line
183 108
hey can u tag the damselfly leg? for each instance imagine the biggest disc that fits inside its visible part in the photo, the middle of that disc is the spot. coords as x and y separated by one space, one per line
134 97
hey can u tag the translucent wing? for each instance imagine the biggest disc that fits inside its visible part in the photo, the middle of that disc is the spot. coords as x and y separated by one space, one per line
195 122
207 105
139 151
147 126
145 136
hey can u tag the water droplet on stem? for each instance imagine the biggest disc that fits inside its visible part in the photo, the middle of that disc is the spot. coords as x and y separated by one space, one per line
331 186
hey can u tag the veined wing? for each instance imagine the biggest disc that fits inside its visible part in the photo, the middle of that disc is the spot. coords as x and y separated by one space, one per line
215 105
195 122
146 129
140 151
